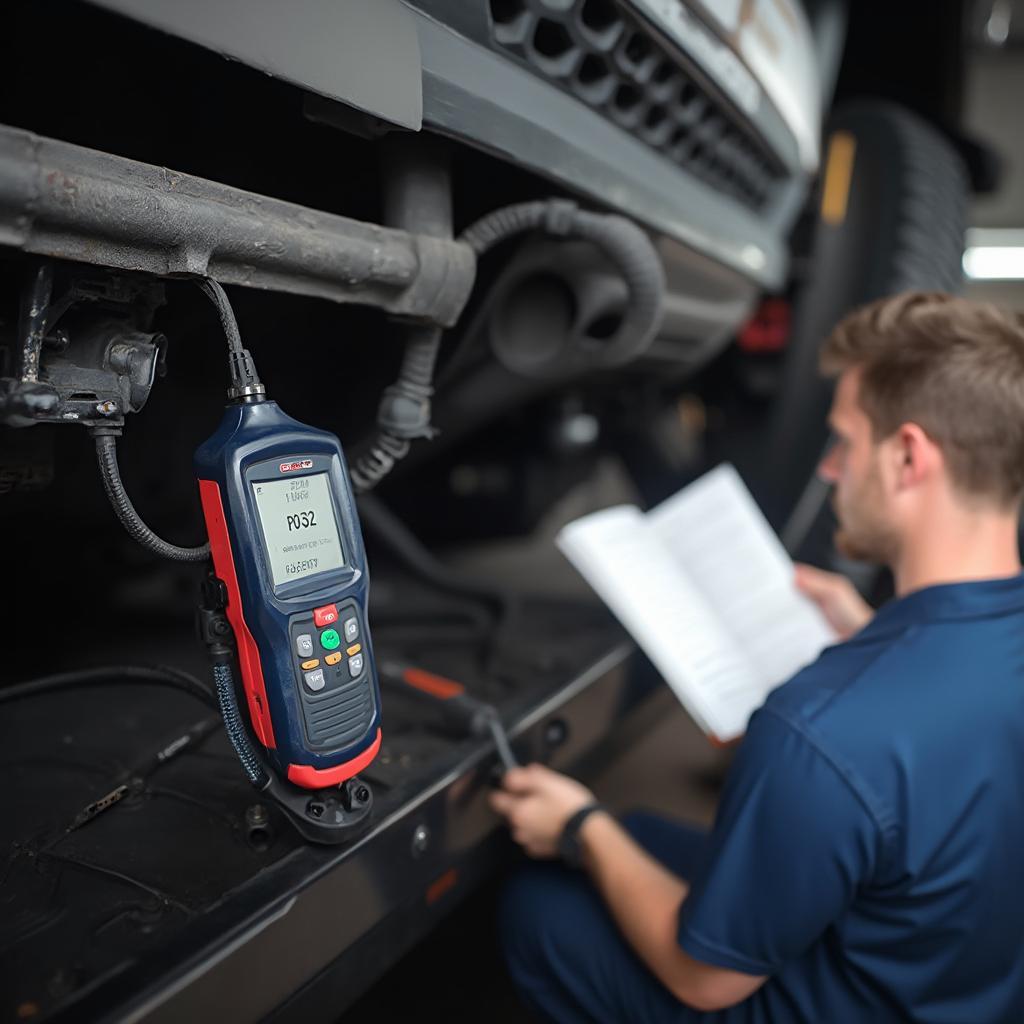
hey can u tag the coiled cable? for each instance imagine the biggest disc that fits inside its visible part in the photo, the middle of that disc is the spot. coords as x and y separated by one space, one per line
223 680
404 412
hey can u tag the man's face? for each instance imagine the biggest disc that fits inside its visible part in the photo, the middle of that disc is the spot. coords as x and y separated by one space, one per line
854 466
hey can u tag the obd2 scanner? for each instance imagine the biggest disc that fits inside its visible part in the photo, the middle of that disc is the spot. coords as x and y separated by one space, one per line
285 542
286 596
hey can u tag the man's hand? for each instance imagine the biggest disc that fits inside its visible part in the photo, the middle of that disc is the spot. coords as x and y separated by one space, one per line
846 611
537 802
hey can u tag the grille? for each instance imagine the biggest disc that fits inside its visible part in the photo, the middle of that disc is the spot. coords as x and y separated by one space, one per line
340 716
613 63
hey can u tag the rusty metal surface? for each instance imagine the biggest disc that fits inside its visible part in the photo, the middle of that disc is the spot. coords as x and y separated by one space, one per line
69 202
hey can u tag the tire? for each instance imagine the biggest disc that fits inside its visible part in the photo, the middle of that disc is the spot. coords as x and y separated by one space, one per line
902 228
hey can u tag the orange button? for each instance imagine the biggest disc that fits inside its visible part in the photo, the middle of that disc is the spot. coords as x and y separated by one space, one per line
312 663
333 659
325 616
354 649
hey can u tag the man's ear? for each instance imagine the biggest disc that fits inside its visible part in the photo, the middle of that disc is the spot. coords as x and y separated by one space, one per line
918 457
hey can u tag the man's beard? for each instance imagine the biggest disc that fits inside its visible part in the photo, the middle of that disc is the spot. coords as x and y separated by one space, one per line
859 548
862 534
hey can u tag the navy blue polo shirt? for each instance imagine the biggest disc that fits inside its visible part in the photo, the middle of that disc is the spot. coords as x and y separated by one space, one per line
868 853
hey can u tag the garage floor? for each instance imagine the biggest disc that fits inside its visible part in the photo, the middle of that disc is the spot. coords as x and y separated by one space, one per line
456 975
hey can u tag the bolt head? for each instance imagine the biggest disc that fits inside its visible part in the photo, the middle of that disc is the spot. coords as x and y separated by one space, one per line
420 840
256 815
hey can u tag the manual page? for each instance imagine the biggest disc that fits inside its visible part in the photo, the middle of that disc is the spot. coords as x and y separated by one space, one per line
706 589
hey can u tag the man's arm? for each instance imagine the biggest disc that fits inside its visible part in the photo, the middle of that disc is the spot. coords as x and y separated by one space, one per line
643 897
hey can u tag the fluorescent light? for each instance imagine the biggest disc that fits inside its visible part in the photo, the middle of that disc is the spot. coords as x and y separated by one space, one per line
994 254
993 263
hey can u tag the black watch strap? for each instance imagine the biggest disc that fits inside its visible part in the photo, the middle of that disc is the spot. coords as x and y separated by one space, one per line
569 848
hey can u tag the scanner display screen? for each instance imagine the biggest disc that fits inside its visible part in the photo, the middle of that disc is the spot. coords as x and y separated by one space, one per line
299 527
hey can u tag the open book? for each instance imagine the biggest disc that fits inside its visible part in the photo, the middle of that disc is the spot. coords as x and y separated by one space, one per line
706 589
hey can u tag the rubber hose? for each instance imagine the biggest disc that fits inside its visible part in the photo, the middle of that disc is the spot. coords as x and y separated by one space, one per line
251 764
380 521
414 388
625 245
494 227
636 259
112 675
106 453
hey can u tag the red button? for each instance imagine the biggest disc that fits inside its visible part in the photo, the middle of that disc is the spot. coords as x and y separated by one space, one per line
326 615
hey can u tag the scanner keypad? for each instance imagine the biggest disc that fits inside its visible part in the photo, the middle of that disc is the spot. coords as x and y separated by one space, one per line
332 674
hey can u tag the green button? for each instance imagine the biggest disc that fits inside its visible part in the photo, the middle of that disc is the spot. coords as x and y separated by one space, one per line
330 639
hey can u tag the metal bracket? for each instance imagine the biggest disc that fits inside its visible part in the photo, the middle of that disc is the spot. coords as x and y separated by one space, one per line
98 371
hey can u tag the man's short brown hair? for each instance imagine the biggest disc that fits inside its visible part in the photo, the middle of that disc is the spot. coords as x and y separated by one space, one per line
953 367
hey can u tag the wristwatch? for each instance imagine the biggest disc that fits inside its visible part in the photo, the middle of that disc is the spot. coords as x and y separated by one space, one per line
569 848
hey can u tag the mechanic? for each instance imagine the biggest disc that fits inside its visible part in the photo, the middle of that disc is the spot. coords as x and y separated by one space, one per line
867 859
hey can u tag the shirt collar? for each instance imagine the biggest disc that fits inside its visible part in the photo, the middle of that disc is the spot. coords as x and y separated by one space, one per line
945 601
